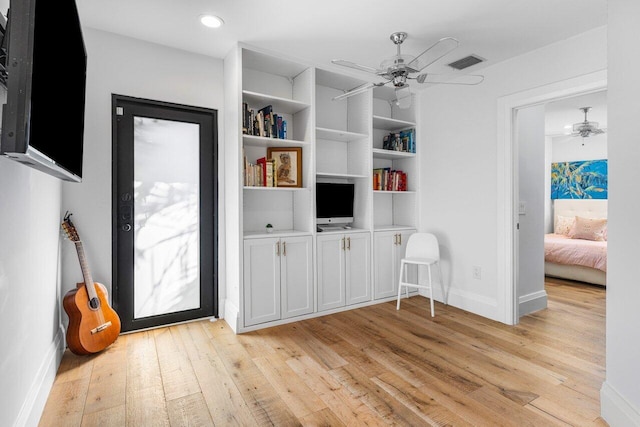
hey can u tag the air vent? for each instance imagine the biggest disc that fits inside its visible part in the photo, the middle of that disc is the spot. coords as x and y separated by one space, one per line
466 62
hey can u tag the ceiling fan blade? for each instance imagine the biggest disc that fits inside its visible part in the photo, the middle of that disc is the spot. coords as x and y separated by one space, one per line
365 87
433 53
465 79
353 65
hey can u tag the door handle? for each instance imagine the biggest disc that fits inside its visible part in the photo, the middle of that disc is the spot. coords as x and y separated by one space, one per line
349 243
284 248
343 243
278 248
399 238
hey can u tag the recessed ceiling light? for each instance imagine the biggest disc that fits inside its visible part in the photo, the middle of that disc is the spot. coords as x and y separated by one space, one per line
211 21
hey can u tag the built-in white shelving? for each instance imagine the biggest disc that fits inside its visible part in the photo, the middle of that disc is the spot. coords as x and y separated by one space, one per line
340 142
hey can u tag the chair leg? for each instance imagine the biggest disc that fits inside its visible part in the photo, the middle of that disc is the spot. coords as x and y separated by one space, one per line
431 291
406 278
400 284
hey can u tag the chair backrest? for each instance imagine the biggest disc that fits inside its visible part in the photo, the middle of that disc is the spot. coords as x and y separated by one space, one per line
423 245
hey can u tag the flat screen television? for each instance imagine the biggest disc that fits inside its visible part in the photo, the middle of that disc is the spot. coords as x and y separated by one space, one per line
334 203
45 64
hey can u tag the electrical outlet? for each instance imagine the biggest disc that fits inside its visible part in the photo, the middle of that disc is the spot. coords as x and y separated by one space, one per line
477 273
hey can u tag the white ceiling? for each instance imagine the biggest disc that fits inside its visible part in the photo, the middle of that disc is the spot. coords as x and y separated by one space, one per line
356 30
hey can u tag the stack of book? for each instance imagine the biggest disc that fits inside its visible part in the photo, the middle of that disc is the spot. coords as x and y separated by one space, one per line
260 174
264 123
404 141
385 179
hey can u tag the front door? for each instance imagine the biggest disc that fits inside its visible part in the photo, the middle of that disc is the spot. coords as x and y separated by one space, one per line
164 212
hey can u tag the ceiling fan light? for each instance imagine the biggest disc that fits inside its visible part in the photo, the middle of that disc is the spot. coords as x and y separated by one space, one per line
403 97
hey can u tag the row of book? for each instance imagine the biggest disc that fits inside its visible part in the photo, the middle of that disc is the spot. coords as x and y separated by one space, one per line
264 122
404 141
260 174
385 179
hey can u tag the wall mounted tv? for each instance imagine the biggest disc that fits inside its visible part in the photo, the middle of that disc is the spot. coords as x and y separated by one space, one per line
45 64
334 203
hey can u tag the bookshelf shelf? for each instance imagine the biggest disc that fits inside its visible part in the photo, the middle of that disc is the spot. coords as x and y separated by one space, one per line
386 123
339 175
280 105
262 141
393 192
281 189
379 153
338 135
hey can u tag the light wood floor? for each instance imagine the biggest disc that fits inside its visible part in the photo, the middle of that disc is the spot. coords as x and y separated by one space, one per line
371 366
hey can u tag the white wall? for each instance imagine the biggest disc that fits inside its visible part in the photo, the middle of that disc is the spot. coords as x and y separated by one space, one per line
620 396
531 149
125 66
30 337
459 133
569 149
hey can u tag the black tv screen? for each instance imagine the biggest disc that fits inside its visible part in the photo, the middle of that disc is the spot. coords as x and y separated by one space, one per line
334 202
43 119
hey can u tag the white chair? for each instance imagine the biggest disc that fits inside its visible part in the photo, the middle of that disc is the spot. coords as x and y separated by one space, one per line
422 249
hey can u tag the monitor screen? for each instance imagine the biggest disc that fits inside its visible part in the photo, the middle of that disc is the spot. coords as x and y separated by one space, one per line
334 202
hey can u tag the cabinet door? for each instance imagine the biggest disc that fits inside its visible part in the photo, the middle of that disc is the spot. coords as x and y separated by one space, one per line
358 268
386 261
331 275
261 281
296 277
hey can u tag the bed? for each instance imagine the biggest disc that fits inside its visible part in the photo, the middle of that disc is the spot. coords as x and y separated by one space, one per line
578 253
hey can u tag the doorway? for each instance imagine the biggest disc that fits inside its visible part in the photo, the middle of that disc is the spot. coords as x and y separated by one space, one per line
165 212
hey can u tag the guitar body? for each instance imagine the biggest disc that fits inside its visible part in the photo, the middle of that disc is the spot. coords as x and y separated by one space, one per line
84 334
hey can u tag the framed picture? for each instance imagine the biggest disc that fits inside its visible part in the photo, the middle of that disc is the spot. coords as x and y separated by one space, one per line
288 165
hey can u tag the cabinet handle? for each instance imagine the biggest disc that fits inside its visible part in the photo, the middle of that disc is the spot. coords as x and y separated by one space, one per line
278 248
349 243
284 248
395 239
399 239
343 239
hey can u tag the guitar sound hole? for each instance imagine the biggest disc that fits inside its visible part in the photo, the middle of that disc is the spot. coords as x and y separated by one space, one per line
94 303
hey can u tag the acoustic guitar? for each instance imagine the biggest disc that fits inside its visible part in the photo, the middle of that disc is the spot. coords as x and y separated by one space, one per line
93 324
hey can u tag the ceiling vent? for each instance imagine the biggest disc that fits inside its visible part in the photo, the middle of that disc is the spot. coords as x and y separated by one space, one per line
466 62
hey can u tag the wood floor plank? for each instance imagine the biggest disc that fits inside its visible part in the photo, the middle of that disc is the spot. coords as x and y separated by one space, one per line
189 411
266 406
371 366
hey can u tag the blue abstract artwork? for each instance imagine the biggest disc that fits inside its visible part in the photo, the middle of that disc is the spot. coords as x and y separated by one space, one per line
585 179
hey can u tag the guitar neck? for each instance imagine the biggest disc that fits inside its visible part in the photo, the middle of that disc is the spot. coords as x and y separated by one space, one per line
86 273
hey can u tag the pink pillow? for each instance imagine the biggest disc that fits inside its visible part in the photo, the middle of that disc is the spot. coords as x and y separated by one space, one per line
564 224
588 229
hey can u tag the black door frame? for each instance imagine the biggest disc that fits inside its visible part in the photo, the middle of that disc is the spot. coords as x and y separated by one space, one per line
123 295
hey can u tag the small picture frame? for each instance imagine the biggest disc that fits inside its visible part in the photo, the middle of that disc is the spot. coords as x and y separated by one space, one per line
288 165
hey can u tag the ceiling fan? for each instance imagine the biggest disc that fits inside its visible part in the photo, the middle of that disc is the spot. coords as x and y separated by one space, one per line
400 68
586 128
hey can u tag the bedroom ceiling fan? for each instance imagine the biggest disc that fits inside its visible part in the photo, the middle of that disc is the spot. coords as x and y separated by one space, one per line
586 128
400 68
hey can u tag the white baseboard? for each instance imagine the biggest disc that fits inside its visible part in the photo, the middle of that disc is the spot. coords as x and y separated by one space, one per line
532 302
468 301
230 314
36 399
616 409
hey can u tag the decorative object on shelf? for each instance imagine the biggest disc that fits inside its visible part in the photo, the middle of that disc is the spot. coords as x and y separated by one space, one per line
398 69
287 165
269 228
586 128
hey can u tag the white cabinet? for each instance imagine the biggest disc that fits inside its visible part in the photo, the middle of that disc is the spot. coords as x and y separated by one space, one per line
344 269
278 279
389 248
